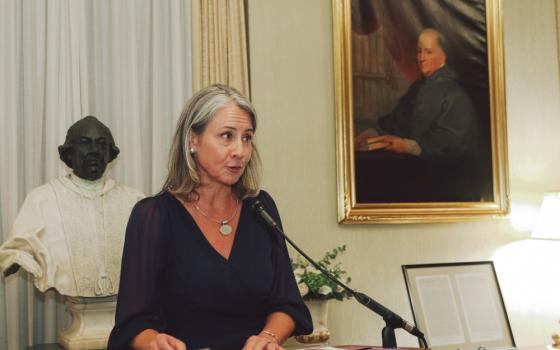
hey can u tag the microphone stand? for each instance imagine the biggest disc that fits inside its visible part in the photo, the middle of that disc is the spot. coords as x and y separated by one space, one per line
392 320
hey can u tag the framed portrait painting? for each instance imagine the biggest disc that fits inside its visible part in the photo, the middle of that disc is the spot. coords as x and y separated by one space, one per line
420 110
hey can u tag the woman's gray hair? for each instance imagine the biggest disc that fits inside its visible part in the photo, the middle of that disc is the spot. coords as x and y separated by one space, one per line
183 177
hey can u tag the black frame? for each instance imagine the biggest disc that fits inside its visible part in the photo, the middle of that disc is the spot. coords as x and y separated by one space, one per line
490 264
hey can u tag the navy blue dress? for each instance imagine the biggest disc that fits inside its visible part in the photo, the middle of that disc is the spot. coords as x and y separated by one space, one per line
174 281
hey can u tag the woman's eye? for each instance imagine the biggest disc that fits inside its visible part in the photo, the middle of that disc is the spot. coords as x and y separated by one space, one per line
226 135
247 138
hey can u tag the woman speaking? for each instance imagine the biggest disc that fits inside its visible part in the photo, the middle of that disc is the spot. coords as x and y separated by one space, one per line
200 269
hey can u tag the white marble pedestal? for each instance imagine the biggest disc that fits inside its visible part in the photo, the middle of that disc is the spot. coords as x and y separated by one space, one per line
92 321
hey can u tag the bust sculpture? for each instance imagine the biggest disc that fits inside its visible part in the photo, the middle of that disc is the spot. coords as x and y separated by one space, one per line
69 233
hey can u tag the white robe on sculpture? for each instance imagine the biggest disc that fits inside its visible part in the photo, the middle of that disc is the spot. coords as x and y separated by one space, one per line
69 235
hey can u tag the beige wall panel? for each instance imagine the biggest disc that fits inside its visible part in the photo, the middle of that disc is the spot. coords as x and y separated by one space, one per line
292 88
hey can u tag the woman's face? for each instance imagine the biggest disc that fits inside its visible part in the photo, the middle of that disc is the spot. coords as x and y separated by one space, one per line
224 148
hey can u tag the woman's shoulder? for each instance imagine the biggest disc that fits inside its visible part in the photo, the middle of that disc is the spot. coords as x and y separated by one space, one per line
263 194
265 197
267 201
151 216
153 204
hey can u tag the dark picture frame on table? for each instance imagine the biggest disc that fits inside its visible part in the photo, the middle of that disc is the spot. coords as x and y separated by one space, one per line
375 73
459 305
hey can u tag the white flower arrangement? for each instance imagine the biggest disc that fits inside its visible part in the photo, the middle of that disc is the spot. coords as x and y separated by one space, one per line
313 284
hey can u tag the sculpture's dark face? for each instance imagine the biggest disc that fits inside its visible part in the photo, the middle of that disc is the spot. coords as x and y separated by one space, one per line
90 151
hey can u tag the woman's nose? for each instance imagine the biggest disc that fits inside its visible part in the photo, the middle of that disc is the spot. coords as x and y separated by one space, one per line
237 148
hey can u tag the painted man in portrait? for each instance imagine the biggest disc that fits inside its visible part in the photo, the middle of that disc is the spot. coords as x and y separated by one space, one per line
434 121
435 118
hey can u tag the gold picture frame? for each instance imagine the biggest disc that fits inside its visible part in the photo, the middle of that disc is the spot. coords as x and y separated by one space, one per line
353 211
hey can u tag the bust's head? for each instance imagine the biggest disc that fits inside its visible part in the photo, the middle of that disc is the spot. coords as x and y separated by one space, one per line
88 148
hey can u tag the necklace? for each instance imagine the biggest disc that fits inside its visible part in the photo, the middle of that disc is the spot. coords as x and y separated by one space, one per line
225 227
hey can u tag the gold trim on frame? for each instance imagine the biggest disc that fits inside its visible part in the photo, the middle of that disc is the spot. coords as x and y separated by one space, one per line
350 212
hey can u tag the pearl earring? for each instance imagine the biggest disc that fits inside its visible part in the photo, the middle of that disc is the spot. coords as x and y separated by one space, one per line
192 150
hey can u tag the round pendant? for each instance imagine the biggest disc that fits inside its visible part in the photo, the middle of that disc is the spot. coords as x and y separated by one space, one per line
225 229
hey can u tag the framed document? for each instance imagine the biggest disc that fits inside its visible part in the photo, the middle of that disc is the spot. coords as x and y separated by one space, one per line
458 305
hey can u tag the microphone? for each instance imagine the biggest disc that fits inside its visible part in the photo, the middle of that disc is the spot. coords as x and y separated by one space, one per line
394 320
391 319
259 208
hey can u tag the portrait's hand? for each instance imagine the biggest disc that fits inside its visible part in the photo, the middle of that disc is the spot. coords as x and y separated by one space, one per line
164 341
262 341
396 144
361 140
376 142
360 143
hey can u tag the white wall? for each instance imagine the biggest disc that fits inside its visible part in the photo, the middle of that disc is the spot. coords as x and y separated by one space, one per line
292 89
